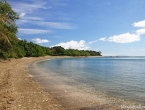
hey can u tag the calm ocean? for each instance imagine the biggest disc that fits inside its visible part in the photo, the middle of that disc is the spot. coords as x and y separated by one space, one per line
118 77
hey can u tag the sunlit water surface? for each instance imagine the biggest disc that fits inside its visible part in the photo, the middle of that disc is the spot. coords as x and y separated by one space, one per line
119 77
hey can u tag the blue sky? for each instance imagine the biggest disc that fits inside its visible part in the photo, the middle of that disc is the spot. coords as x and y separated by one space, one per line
114 27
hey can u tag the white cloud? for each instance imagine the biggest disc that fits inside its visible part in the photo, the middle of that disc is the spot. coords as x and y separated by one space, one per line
35 15
19 38
21 21
80 45
38 40
92 42
22 14
29 20
32 18
57 25
27 7
141 31
127 37
33 31
139 24
37 21
103 39
124 38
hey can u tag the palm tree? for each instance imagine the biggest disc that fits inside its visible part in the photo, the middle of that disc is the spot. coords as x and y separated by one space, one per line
4 34
8 30
5 22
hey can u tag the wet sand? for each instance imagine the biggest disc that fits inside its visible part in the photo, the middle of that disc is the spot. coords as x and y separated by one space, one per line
20 90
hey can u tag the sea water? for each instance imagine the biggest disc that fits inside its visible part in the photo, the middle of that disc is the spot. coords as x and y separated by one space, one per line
118 77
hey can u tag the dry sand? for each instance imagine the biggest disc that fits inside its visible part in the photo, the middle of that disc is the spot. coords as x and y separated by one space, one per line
19 90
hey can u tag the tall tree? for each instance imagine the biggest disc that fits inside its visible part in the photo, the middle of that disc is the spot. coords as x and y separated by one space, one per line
7 21
8 28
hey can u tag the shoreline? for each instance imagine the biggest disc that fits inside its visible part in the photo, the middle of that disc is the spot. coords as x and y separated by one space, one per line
71 97
19 90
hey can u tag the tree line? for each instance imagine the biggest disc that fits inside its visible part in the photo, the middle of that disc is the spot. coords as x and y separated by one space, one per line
30 49
12 47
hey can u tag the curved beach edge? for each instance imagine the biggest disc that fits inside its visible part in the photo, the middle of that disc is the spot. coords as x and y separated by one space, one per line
18 90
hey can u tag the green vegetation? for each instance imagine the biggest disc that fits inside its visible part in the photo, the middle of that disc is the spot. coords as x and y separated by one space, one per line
60 51
29 49
12 47
8 30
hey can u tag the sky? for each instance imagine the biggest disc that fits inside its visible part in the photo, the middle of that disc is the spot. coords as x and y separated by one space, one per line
114 27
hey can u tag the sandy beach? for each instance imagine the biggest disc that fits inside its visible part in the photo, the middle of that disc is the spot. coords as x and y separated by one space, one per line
20 91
